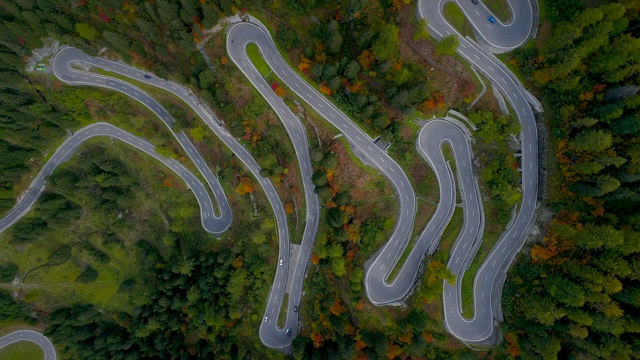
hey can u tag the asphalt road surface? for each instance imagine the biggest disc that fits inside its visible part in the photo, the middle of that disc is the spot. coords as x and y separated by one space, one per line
63 70
34 337
270 334
487 284
275 337
379 268
68 147
508 35
379 289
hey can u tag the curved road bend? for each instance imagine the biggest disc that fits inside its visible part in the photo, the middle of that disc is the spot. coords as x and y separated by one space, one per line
378 290
481 329
68 147
34 337
215 125
63 71
506 36
429 144
270 334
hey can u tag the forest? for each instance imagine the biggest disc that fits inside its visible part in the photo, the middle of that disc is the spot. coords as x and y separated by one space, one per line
581 285
574 295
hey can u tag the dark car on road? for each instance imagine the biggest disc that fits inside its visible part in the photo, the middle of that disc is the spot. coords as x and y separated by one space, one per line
491 19
148 77
475 2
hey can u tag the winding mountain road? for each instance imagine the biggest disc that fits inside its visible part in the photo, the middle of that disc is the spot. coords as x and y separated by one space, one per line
504 36
63 70
270 334
31 336
254 31
490 277
210 223
379 288
273 337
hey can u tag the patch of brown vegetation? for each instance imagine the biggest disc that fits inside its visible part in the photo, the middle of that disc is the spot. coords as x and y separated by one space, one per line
543 35
488 101
451 87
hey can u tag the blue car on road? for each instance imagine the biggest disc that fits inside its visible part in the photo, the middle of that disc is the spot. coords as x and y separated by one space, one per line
491 19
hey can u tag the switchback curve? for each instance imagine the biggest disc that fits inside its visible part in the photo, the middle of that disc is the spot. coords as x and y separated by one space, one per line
209 222
481 329
34 337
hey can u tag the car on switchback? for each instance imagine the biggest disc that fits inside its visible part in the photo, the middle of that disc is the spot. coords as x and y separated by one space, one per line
491 19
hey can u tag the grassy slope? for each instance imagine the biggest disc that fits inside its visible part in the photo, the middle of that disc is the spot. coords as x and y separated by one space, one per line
256 58
500 9
54 286
22 350
454 15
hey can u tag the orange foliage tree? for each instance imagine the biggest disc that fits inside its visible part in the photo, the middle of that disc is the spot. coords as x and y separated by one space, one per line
245 186
512 344
366 59
393 351
279 90
317 339
288 208
325 89
337 308
305 65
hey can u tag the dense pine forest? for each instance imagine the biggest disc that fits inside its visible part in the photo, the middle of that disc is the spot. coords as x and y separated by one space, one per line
574 295
577 294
